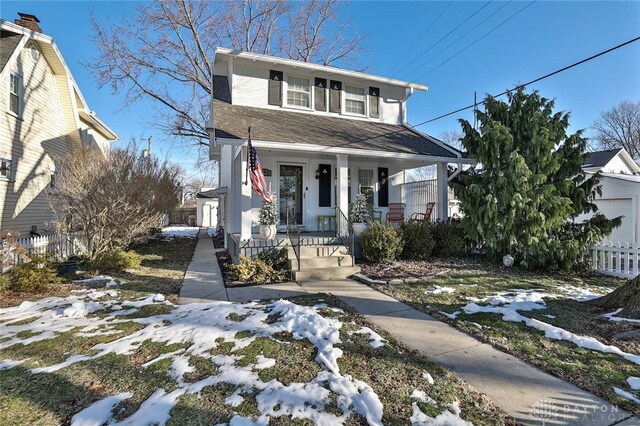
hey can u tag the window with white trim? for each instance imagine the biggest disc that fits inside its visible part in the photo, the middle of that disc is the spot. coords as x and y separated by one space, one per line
298 92
366 185
354 100
6 169
14 93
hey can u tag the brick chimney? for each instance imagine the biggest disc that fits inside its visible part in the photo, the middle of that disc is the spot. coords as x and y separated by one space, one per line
28 21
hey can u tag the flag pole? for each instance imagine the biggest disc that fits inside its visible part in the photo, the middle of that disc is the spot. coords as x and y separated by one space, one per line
246 172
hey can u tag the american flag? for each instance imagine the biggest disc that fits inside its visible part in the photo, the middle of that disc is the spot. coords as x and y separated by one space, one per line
258 181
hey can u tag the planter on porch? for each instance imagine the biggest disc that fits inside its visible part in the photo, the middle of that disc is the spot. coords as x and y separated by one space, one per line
358 228
268 232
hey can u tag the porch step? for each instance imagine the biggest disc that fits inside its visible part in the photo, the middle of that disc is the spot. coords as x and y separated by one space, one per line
319 250
320 262
321 274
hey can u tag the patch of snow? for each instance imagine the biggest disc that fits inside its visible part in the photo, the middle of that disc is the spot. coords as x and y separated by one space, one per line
449 417
212 232
440 290
82 309
475 324
451 316
97 279
100 412
375 340
426 376
627 395
582 294
549 316
180 231
634 382
263 362
7 364
423 397
612 317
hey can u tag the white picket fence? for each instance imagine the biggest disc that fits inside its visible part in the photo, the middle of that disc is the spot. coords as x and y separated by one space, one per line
620 260
59 246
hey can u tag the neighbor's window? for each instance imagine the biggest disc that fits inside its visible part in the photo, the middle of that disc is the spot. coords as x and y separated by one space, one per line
354 99
14 93
5 168
298 92
365 180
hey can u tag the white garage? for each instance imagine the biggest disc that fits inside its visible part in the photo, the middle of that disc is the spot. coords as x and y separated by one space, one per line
621 197
207 208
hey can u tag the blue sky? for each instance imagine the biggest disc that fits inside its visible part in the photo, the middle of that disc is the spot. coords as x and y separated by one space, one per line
544 37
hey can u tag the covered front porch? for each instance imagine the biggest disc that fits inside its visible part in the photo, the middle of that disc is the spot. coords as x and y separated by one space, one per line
315 186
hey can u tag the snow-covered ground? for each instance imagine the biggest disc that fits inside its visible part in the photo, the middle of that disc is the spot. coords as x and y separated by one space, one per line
200 328
180 231
510 304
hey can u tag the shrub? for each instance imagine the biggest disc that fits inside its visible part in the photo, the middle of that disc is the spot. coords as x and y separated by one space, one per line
116 260
269 213
267 267
32 277
448 238
359 210
381 243
418 240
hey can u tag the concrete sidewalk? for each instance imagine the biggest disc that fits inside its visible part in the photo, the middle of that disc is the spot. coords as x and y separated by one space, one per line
528 394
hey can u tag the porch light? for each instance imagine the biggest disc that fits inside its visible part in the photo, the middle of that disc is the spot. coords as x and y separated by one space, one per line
324 172
383 179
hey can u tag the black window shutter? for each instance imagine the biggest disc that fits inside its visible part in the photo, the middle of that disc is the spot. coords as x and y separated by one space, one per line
374 102
275 87
324 185
335 96
383 192
320 89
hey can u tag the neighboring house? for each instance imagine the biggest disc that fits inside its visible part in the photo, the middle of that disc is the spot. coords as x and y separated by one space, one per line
44 115
620 192
322 134
611 161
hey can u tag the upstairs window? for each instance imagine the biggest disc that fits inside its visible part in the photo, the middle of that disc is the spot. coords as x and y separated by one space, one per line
298 92
14 94
354 99
5 169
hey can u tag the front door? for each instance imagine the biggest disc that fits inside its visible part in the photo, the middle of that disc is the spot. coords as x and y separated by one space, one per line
290 193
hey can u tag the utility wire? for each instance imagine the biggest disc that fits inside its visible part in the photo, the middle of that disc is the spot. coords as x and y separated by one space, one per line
476 41
422 35
575 64
445 36
463 35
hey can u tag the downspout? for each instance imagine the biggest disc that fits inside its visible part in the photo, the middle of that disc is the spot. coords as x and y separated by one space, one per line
403 103
211 127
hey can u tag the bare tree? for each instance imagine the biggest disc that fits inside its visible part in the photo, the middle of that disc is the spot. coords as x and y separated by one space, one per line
164 51
452 138
112 202
619 127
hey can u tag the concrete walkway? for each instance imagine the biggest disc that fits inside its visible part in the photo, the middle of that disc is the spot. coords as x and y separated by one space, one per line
524 392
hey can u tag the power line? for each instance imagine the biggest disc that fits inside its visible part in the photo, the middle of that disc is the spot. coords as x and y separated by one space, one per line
464 35
575 64
445 36
422 35
485 35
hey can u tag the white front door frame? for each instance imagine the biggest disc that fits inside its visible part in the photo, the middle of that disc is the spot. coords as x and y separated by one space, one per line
303 213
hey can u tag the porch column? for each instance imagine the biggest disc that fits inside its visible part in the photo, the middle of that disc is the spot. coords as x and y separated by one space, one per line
443 201
245 199
342 195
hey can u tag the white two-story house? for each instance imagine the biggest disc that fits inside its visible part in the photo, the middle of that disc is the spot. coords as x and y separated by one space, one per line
322 135
43 115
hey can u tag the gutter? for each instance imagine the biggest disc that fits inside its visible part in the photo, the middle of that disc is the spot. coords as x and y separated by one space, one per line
210 127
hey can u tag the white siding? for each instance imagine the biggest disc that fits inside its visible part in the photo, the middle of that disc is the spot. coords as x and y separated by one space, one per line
617 165
31 142
249 87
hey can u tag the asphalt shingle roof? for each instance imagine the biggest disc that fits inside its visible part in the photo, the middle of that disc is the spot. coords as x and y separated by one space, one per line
8 43
232 121
600 158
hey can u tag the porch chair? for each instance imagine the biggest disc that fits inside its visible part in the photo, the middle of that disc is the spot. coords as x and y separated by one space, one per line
374 215
426 216
396 212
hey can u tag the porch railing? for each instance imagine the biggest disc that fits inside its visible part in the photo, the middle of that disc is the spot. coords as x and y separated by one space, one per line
293 233
344 231
616 259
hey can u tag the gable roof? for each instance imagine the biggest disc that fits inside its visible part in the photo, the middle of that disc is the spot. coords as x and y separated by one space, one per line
69 91
601 158
273 125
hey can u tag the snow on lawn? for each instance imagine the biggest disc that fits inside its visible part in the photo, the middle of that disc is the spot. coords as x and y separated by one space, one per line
440 290
449 417
375 340
612 317
180 231
200 326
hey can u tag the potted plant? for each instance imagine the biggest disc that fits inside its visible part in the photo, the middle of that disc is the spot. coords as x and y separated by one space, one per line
268 220
359 214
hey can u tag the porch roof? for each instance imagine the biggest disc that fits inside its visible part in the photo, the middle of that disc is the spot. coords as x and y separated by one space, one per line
273 125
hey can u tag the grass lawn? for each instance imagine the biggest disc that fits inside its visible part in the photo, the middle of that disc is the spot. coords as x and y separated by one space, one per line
122 354
447 287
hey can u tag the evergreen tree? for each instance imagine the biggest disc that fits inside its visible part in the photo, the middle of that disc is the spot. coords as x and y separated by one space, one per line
524 196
